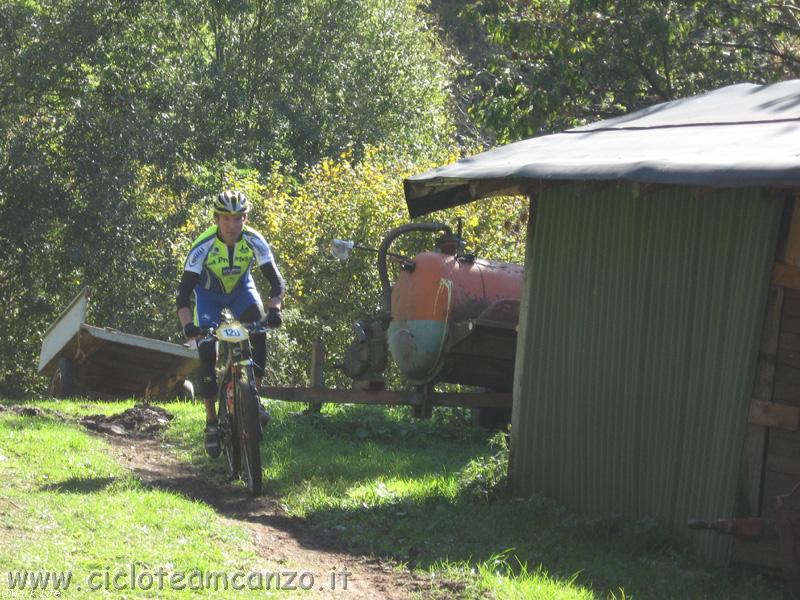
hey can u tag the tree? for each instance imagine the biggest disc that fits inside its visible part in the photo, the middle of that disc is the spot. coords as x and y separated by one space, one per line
298 81
556 64
119 118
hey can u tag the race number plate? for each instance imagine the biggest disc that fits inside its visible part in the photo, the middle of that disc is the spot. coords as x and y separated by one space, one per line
231 331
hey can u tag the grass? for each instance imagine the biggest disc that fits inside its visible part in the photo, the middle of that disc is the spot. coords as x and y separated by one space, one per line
65 504
411 490
421 493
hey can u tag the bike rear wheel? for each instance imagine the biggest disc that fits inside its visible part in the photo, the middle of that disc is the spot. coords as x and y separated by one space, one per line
229 434
249 435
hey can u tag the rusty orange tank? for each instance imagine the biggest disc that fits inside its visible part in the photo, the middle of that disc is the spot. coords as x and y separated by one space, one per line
454 320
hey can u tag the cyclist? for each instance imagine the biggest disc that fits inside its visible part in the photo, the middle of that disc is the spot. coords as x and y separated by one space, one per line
218 270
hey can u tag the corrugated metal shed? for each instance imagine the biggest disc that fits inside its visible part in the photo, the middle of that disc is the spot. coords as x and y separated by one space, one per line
637 349
741 135
644 304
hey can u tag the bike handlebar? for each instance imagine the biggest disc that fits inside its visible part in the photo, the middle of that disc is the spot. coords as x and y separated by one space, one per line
252 327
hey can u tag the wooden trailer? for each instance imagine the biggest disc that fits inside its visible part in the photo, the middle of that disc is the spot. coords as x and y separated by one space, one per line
83 359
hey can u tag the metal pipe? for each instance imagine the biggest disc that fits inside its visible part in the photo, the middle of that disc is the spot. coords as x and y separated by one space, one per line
383 251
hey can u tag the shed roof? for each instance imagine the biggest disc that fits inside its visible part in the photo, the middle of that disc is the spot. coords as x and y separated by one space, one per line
737 136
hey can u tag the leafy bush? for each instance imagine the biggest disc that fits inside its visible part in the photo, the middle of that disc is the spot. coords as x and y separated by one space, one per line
547 65
485 478
118 119
131 254
347 198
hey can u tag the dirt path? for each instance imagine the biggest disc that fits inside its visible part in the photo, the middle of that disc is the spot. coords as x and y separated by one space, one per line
279 538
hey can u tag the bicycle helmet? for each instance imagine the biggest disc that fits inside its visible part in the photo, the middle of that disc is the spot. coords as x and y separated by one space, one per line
231 203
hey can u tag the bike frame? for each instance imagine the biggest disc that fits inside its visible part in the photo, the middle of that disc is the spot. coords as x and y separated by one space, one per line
240 428
237 360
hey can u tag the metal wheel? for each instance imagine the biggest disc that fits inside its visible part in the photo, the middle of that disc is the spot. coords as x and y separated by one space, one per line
250 435
229 433
185 391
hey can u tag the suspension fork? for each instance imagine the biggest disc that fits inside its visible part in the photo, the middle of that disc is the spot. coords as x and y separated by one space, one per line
247 355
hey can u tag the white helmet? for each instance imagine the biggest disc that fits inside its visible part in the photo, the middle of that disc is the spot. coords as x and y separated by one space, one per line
231 203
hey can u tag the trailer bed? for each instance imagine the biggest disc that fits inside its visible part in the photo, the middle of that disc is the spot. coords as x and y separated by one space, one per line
84 359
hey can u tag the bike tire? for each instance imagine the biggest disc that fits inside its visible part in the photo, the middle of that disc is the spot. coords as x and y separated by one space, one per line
229 435
249 435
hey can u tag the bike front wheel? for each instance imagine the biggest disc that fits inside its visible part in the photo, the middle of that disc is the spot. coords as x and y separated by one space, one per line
249 435
229 435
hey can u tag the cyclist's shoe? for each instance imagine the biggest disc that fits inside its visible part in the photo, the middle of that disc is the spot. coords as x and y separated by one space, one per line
263 414
213 447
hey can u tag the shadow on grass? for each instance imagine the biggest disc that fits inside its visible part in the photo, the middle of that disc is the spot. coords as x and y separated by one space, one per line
351 447
80 485
341 452
512 536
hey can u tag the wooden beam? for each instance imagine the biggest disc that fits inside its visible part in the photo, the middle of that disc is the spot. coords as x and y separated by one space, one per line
792 254
763 553
62 332
763 415
787 276
772 414
317 374
386 397
755 441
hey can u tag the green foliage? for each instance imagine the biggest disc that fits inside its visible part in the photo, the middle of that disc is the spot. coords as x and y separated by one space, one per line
118 120
298 81
301 212
486 477
553 64
132 257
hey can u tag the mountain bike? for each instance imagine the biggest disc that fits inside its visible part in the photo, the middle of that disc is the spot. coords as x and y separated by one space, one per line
239 424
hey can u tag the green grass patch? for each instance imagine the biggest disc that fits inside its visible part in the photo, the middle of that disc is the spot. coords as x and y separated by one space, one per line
425 493
429 494
66 505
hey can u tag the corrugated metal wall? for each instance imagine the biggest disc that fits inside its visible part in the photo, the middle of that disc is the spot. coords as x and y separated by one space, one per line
637 347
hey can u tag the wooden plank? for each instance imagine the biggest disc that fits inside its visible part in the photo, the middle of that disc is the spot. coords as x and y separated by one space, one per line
789 342
768 345
787 276
755 441
787 374
137 341
786 393
386 397
787 466
63 329
763 553
777 483
772 414
791 302
790 324
789 358
792 254
784 443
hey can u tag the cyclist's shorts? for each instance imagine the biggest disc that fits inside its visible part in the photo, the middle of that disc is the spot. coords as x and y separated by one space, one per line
209 305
